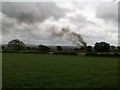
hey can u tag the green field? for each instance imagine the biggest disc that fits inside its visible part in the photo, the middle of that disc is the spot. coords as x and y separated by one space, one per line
58 71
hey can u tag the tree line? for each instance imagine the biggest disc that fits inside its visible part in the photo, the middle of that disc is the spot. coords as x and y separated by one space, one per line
99 47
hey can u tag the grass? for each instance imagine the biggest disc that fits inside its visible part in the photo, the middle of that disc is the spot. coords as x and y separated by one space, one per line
57 71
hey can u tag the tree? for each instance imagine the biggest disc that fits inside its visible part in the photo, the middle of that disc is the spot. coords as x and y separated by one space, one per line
112 48
59 48
2 47
16 45
101 47
83 48
43 48
89 49
28 48
97 47
118 48
77 50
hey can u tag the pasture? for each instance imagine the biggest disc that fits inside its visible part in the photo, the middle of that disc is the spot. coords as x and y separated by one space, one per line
58 71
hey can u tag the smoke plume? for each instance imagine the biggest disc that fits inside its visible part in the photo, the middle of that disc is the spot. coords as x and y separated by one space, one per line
66 33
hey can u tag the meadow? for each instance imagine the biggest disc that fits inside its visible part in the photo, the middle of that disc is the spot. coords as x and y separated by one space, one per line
58 71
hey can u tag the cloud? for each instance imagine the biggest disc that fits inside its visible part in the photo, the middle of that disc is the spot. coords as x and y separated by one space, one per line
108 12
32 22
30 12
58 0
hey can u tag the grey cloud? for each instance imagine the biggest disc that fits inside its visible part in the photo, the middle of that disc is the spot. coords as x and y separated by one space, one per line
107 11
7 24
30 12
11 29
119 14
80 21
36 33
20 19
30 32
33 31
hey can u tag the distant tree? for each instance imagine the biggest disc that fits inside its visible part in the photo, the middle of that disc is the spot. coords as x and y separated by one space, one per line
28 48
16 45
105 46
2 47
59 48
101 47
89 49
118 48
77 50
33 48
97 47
112 48
83 48
43 48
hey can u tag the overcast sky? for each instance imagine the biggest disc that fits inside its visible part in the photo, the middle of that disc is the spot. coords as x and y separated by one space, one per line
32 22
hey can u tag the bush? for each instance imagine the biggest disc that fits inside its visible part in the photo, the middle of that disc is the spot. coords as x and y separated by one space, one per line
103 54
